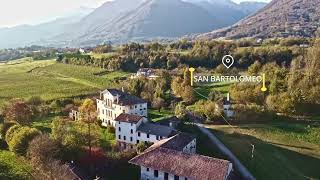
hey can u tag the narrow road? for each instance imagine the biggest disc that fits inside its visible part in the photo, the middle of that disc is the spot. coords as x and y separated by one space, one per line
235 161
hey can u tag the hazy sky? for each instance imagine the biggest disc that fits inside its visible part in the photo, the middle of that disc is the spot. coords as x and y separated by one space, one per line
17 12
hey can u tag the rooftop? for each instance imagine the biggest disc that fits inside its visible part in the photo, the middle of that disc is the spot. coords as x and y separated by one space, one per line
125 98
178 142
192 166
130 118
156 129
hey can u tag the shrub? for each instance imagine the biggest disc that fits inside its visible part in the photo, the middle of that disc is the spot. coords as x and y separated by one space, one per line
142 146
111 129
4 128
21 139
11 131
35 101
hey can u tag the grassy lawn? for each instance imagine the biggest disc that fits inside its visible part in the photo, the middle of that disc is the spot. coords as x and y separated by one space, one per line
12 167
205 90
50 80
44 124
155 115
282 150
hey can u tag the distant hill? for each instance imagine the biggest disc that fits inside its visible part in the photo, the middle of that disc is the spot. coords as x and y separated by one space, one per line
150 19
26 35
153 18
280 18
120 21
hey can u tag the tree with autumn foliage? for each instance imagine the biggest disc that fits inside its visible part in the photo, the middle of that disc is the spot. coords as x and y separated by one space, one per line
18 111
88 115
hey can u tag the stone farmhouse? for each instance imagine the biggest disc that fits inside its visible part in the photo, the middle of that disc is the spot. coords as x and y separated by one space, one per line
174 158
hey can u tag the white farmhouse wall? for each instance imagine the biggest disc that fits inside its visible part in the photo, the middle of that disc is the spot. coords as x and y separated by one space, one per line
126 132
152 138
148 174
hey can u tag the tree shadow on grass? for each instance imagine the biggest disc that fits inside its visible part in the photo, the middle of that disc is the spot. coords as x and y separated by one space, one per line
270 161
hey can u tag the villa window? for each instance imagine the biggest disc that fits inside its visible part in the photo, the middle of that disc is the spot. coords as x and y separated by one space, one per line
176 177
131 139
156 173
148 169
135 106
148 136
119 136
139 134
124 138
124 111
131 131
119 129
138 141
166 176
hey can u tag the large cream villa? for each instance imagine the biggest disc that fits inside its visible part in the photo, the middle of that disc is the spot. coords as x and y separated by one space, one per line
113 102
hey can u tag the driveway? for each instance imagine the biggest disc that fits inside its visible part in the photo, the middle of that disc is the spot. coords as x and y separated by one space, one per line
235 161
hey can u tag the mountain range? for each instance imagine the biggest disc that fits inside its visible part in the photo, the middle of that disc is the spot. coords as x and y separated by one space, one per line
280 18
121 21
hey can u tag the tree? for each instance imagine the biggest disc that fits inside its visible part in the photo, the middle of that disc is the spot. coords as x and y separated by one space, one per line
18 111
180 111
88 115
215 95
42 150
188 95
207 109
177 87
158 103
254 68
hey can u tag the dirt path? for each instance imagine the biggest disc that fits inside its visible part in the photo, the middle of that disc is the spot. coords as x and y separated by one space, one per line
243 171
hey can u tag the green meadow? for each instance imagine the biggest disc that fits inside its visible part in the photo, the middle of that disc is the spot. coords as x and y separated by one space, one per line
50 80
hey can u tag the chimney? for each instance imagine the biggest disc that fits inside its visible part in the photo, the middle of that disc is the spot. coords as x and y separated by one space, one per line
122 89
117 98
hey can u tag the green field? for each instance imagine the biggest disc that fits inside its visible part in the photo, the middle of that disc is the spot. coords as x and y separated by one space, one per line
155 115
50 80
282 150
205 90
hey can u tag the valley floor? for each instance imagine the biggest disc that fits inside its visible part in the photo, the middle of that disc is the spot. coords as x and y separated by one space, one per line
50 80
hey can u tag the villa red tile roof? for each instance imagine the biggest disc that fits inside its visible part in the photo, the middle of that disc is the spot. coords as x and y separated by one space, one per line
130 118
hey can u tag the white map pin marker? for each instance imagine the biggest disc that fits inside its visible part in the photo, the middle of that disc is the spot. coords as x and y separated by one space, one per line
227 61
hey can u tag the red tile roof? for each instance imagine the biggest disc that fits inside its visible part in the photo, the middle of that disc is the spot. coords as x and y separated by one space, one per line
192 166
130 118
